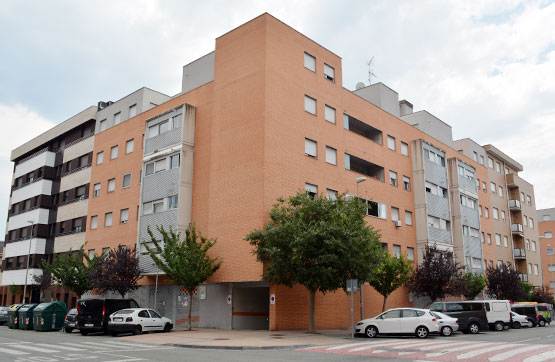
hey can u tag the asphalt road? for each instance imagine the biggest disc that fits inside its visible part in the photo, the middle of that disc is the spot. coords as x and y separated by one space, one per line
31 346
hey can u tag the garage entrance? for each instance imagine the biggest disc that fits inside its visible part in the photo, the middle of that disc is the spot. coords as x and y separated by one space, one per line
251 305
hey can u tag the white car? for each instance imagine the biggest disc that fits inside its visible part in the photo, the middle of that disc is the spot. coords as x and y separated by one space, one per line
419 322
520 320
137 321
447 325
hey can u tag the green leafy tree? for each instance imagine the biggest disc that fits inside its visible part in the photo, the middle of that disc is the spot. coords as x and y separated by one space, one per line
472 284
504 283
186 262
542 295
391 273
318 243
72 270
527 291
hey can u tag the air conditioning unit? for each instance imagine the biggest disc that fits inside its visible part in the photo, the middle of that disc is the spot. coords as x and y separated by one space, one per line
398 223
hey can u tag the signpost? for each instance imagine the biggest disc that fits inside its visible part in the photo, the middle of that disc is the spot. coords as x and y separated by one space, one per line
352 287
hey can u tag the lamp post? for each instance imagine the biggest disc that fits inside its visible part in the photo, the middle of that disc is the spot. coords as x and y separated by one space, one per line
28 257
156 287
359 180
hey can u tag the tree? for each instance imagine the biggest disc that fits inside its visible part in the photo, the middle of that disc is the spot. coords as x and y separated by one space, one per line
437 275
392 272
117 271
542 295
504 283
72 270
472 284
44 282
16 289
318 243
186 262
527 291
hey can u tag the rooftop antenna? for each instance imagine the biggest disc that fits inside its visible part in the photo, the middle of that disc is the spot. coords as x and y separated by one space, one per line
370 70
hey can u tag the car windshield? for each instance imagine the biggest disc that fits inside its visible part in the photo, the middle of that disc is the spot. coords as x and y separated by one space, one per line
124 311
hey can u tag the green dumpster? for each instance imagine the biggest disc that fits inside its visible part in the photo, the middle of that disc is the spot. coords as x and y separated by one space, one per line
25 316
49 316
12 316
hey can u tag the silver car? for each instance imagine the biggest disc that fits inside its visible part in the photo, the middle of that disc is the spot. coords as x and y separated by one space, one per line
447 325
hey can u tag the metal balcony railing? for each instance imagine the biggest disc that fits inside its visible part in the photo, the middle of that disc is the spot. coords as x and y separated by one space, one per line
519 253
517 229
514 204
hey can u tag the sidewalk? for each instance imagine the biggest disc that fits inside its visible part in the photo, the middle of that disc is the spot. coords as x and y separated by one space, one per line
239 340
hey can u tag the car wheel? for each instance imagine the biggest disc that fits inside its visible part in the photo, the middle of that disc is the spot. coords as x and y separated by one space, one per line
421 332
68 329
446 331
499 326
541 323
84 333
516 325
371 332
167 327
138 330
474 328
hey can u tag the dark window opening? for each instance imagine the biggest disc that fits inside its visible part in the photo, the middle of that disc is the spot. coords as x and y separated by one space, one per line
364 167
365 130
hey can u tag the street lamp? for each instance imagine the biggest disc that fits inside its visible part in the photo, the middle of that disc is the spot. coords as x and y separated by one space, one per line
359 180
156 287
28 257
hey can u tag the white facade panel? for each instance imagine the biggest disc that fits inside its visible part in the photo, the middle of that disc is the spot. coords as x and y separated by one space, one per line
17 277
69 242
39 216
79 149
75 179
18 248
43 159
36 188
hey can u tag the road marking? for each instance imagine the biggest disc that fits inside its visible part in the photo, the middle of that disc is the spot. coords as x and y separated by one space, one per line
531 339
346 346
505 355
130 344
447 344
414 344
460 348
36 349
485 350
11 351
60 347
541 357
383 344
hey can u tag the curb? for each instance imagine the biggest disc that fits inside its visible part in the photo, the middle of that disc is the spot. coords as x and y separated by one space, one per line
238 348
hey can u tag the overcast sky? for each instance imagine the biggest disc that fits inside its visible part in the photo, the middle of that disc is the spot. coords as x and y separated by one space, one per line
487 68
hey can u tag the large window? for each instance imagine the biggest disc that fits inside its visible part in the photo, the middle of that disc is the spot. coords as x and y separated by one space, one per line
365 130
364 167
158 129
435 189
434 157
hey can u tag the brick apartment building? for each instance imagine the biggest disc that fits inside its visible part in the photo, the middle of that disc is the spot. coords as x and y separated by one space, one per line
265 115
546 226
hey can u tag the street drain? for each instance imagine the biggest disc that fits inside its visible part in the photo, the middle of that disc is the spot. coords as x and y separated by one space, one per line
277 335
221 339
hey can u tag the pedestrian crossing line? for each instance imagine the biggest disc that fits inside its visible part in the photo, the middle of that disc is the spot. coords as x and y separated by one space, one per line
511 353
444 345
460 347
369 346
115 344
416 344
546 356
486 350
347 345
59 346
33 348
130 344
85 344
12 352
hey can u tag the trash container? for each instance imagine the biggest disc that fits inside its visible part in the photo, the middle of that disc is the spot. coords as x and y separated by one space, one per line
49 316
12 316
25 316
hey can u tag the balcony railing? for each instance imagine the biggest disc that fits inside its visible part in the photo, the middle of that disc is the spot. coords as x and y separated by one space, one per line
517 229
519 253
523 277
514 204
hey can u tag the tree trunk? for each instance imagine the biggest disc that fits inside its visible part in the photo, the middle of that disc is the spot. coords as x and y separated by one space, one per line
190 309
311 328
384 300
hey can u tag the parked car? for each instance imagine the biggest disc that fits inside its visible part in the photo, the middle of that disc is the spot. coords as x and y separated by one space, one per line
539 314
3 315
70 323
137 321
93 314
471 315
520 321
447 325
420 322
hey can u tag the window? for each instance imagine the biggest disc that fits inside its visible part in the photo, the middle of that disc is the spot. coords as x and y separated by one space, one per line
493 187
331 194
376 209
393 178
105 252
482 239
489 239
394 213
132 111
160 165
525 220
506 171
103 125
331 155
329 73
505 241
96 190
311 190
149 169
533 244
174 161
406 183
126 180
435 189
396 250
546 217
330 114
486 212
172 202
80 192
410 253
500 191
480 210
124 216
490 162
528 200
100 157
482 160
529 268
108 219
484 187
309 62
408 217
94 222
153 206
468 201
391 143
111 184
310 104
352 124
498 167
158 129
404 149
114 152
117 118
434 157
548 235
176 121
503 215
433 222
531 223
497 239
91 253
536 269
129 146
527 244
466 230
475 156
495 213
309 147
522 197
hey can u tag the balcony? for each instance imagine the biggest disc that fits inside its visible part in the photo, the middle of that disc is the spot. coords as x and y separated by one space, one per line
523 277
517 229
365 130
514 205
512 180
364 167
519 253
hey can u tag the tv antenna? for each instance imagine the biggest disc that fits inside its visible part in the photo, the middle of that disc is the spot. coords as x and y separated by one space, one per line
370 70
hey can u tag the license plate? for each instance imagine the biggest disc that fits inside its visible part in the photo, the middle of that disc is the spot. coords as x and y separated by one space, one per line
118 319
89 325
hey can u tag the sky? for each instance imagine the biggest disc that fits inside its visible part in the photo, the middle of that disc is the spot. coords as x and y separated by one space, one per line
487 68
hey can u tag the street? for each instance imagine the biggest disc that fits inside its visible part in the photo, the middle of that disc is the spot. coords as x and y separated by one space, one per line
531 345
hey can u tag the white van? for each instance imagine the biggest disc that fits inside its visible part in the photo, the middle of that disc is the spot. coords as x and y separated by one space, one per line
498 313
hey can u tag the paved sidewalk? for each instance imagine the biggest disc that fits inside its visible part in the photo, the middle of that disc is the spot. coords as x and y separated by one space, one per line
236 339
